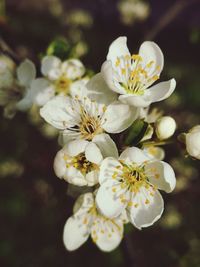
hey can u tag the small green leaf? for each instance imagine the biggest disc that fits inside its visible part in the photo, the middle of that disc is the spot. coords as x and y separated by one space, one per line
136 132
59 47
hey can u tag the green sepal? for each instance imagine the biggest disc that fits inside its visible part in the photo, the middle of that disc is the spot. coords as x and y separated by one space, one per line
136 132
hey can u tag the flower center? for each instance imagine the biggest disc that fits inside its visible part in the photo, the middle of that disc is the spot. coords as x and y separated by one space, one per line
134 177
90 125
134 75
62 85
81 163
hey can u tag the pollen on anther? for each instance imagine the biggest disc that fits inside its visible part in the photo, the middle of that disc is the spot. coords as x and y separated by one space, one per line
147 201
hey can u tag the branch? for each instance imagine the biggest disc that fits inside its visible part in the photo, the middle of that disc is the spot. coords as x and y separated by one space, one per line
169 16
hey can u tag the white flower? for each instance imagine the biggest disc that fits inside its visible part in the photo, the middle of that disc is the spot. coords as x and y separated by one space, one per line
193 142
16 82
105 233
7 68
78 162
133 10
59 78
131 76
132 183
165 127
85 118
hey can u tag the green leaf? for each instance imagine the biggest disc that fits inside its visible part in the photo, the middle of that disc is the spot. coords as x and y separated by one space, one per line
59 47
136 132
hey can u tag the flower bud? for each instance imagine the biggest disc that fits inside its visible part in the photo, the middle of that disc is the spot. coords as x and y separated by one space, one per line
165 127
193 142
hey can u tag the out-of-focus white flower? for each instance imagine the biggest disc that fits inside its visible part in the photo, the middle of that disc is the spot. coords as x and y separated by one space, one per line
7 69
14 83
61 78
155 152
132 76
192 139
132 183
78 162
132 10
165 127
85 118
105 233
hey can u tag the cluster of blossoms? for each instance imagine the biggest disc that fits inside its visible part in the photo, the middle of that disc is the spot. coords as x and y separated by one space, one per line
89 111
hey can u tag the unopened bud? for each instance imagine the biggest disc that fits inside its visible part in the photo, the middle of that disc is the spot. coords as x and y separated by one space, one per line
165 127
193 142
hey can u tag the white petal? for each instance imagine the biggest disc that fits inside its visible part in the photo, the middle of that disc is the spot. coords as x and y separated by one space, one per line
25 103
77 228
136 101
108 201
75 234
146 208
78 88
83 204
107 74
59 164
155 152
150 51
106 145
26 72
51 67
161 175
92 178
134 154
98 90
39 93
107 234
93 153
73 68
75 147
74 176
54 112
118 48
119 117
42 91
162 90
108 167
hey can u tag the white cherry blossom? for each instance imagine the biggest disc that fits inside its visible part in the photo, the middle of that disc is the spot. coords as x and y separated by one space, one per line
83 118
87 221
60 78
132 76
78 162
132 183
14 84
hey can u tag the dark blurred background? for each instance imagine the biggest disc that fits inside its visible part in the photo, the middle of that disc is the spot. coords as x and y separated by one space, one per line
34 203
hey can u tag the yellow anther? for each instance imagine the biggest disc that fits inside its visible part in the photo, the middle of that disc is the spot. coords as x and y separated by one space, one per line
147 201
150 64
136 205
136 57
155 77
114 189
85 221
130 204
117 62
123 71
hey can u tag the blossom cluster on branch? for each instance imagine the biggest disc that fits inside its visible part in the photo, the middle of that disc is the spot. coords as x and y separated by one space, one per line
110 138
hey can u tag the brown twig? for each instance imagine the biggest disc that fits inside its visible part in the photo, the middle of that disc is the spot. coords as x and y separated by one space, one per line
168 17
